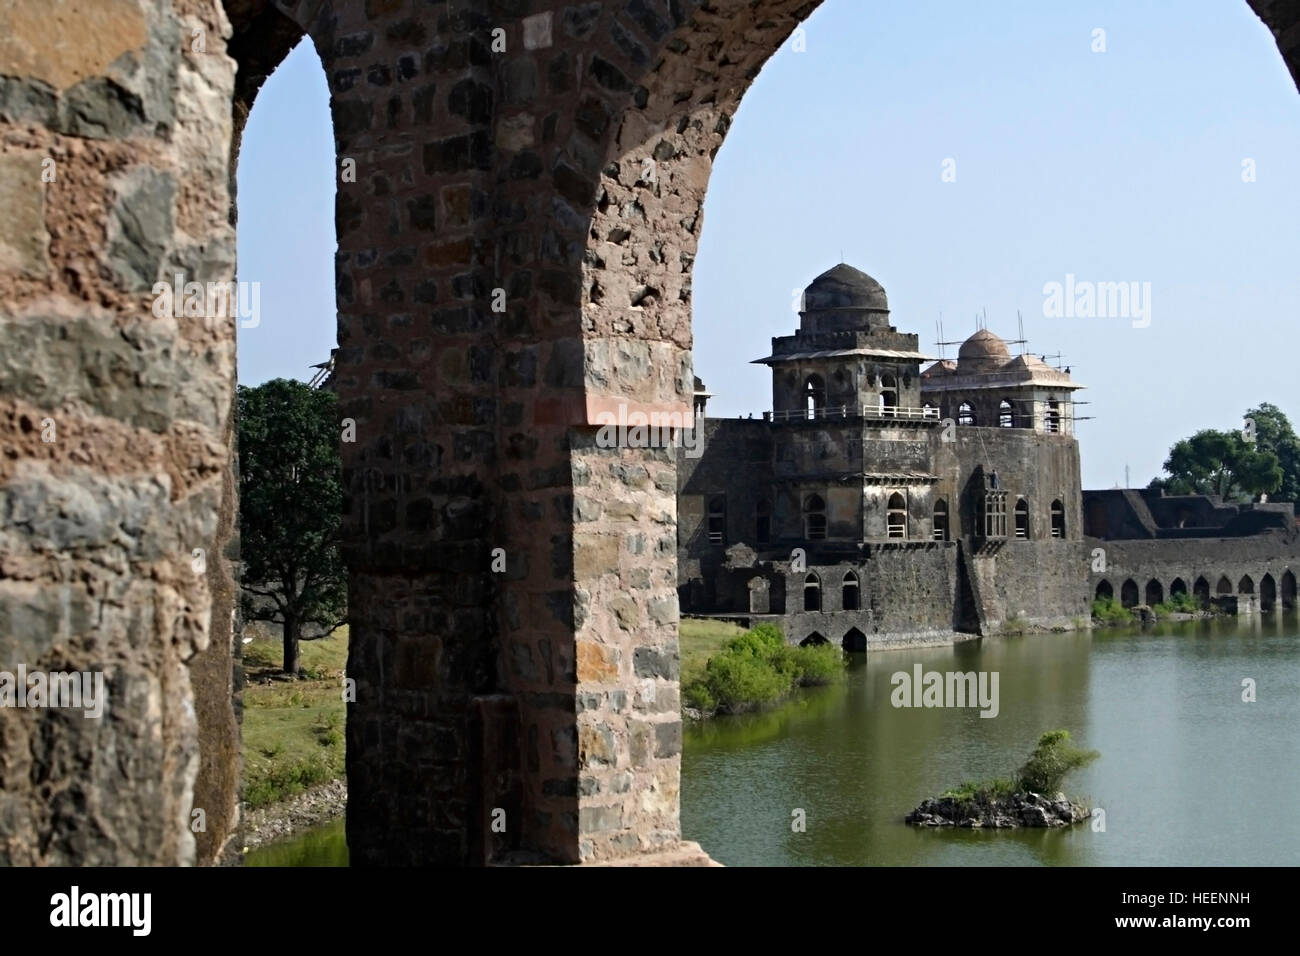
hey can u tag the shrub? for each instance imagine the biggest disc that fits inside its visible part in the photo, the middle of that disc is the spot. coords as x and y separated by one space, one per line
819 664
1053 758
757 668
1110 611
739 681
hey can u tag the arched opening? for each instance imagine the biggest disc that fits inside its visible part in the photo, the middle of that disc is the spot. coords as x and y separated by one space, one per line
1201 592
812 592
941 520
1224 586
965 414
849 592
888 395
896 516
814 518
1128 593
1155 592
1288 590
814 639
1246 585
1052 420
1104 591
1267 593
854 641
1179 587
1058 519
1022 518
1006 415
717 529
762 522
814 393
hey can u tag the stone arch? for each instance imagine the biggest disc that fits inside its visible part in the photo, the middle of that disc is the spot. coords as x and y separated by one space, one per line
854 641
1288 589
1128 593
814 395
940 521
1267 593
814 517
966 414
896 516
1155 592
1104 592
850 597
531 188
812 592
1246 585
1022 518
815 639
1224 586
1201 591
1006 414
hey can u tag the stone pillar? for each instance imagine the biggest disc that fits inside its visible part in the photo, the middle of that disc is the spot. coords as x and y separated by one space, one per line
115 490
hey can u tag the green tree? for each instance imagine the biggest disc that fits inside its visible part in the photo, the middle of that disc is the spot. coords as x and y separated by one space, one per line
291 499
1273 433
1220 463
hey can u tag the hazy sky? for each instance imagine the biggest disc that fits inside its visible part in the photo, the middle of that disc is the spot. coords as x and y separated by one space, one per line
1116 166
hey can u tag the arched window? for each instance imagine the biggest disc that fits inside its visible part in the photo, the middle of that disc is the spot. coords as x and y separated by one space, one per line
814 392
850 592
966 414
1006 415
896 516
763 522
1224 586
812 593
888 394
941 520
1058 519
814 517
718 519
1022 518
1053 420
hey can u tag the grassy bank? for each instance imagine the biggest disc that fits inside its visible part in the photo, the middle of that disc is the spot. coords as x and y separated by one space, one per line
293 729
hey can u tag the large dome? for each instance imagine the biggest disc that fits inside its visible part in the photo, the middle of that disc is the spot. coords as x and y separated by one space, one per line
983 348
844 287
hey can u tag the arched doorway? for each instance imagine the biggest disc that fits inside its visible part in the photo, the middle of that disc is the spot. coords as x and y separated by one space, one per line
814 639
1224 587
1246 585
812 592
1201 591
855 642
1104 591
1128 593
1267 593
1177 588
849 592
1155 592
1288 589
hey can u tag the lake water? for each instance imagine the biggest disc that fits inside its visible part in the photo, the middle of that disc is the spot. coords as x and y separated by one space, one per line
1189 774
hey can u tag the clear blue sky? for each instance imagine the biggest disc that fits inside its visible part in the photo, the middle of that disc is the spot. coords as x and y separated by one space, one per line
1117 166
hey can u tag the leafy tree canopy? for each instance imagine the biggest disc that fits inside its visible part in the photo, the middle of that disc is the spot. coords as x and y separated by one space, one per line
291 498
1263 458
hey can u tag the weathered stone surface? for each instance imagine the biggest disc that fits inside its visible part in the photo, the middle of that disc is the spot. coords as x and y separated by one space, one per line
24 242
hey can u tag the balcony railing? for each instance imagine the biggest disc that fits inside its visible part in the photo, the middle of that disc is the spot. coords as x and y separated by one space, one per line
833 412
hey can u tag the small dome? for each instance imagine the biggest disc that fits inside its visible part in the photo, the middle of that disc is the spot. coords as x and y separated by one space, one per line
983 348
844 287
